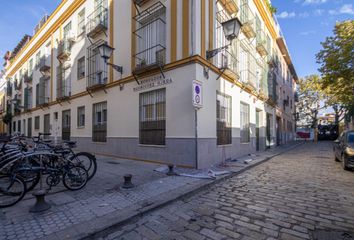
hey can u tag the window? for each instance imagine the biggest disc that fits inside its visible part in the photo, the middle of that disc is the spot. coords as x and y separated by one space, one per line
99 119
81 68
153 117
55 115
81 22
81 116
14 126
245 123
38 59
29 127
67 30
66 125
30 66
223 119
19 126
36 123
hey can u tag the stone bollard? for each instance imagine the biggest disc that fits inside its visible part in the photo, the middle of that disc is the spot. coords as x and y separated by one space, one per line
171 171
128 182
41 205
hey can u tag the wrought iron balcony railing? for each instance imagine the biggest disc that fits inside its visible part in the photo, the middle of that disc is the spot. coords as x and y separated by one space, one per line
227 61
247 18
261 43
64 50
97 21
97 69
230 6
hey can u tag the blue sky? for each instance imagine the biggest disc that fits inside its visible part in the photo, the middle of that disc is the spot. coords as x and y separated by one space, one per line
304 23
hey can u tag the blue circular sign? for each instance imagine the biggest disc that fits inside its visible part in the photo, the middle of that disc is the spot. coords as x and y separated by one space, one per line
197 89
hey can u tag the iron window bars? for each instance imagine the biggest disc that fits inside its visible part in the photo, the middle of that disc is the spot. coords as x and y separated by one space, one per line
150 38
223 119
97 21
97 69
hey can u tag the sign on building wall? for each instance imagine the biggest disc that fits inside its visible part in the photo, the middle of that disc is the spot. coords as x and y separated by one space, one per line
151 82
197 94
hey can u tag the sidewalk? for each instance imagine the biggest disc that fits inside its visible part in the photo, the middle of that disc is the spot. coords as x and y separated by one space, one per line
102 205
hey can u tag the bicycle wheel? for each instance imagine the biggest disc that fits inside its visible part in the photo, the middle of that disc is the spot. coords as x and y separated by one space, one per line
12 190
87 161
75 178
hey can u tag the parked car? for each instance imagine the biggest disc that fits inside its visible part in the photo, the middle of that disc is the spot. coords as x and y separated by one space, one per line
344 149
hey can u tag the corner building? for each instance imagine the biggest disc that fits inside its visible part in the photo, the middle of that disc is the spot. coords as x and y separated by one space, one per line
58 82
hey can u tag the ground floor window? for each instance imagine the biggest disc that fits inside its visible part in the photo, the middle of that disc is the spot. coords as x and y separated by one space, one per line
223 119
99 122
66 125
245 123
36 123
29 127
153 117
81 116
14 126
19 126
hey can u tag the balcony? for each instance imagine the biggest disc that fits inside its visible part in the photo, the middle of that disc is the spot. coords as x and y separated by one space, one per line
230 6
248 21
43 91
261 43
228 63
27 104
64 50
9 88
18 85
63 84
97 21
28 77
44 65
151 39
97 69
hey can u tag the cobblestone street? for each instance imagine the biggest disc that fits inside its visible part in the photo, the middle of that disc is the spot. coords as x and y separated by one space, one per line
301 194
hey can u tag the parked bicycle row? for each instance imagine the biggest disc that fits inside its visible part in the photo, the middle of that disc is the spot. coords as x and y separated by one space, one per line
27 162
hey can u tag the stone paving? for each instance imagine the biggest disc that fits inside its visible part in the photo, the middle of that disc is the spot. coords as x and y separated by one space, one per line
301 194
101 204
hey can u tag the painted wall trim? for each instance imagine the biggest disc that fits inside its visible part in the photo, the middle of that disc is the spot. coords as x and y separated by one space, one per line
173 30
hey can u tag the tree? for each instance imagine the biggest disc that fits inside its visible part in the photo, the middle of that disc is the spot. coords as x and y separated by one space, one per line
336 61
309 101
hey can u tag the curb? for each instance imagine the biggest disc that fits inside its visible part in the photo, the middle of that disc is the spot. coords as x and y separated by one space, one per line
105 225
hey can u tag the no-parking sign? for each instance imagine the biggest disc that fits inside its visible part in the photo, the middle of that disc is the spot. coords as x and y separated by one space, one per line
197 94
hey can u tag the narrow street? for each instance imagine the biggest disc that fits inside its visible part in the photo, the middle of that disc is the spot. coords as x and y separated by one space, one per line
302 194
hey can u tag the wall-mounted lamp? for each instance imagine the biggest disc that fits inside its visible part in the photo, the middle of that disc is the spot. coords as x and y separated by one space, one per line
231 30
106 52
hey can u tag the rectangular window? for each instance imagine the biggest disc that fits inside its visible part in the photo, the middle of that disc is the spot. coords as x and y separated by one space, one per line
81 116
19 126
36 123
99 122
67 30
66 125
153 117
245 123
38 59
81 22
223 119
14 126
29 127
81 68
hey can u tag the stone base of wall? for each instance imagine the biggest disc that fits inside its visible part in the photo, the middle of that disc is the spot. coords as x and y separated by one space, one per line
178 151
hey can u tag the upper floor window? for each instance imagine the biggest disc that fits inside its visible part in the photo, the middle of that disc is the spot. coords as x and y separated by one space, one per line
81 22
151 36
81 68
38 59
67 30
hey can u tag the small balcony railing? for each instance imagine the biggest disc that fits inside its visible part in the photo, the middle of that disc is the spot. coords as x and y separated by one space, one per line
150 38
44 64
228 63
28 77
43 91
248 21
97 21
261 43
230 6
64 50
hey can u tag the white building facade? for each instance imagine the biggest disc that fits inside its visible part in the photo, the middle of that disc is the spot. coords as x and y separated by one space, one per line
146 112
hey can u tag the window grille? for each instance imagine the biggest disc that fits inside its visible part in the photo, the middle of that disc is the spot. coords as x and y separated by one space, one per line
81 68
245 123
97 69
81 116
153 117
81 22
99 122
63 82
223 119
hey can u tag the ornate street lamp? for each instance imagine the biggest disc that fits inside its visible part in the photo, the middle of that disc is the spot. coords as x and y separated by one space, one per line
231 30
106 52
